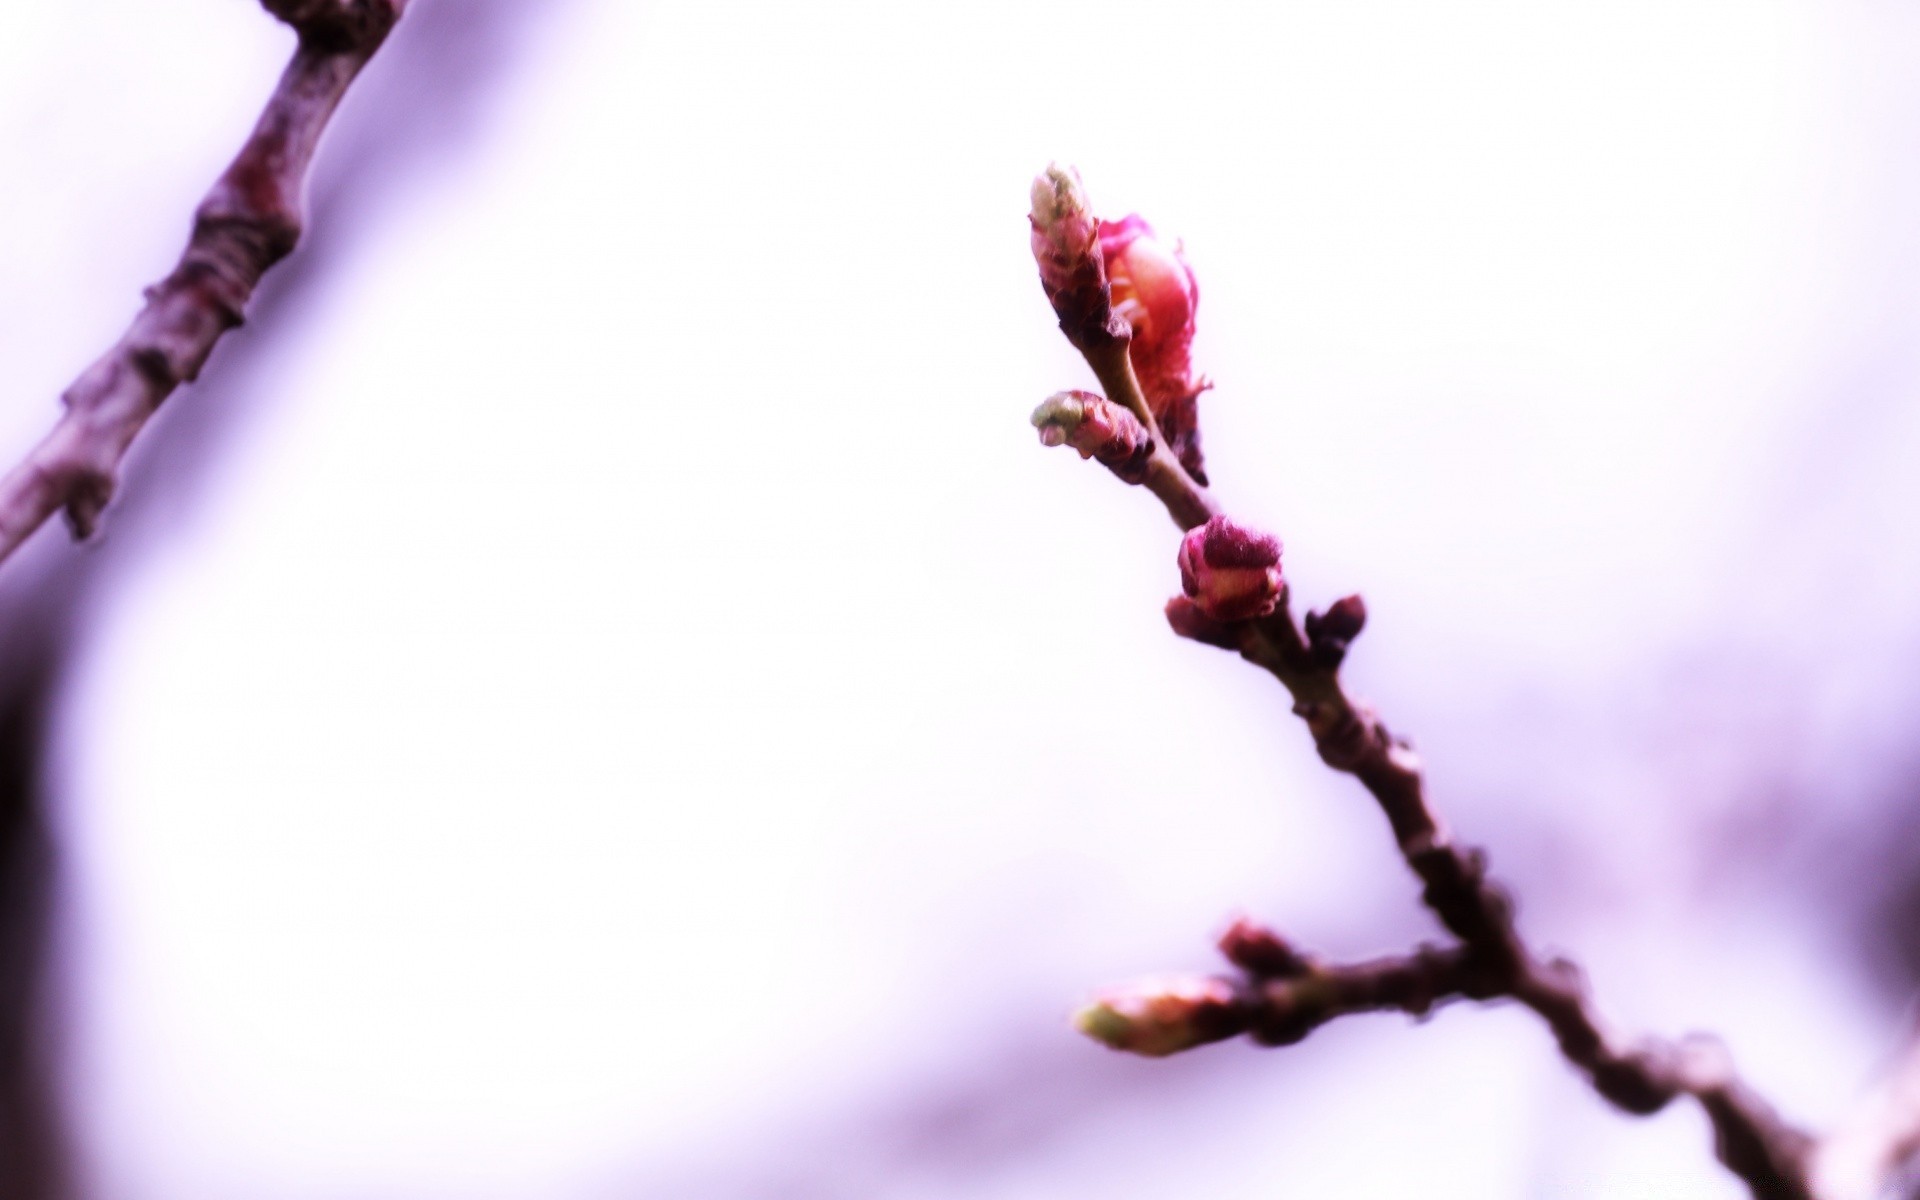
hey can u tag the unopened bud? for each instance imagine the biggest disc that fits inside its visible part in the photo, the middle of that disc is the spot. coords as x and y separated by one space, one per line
1329 633
1154 290
1231 573
1065 231
1261 952
1097 428
1189 621
1066 246
1159 1017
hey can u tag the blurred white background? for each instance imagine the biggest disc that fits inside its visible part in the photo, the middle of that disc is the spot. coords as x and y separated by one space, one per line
599 692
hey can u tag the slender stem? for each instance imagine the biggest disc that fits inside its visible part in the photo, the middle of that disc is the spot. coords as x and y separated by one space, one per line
1750 1138
1285 1010
1186 502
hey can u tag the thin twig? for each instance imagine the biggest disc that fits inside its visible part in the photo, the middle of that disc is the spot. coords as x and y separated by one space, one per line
250 220
1750 1137
1273 1007
1493 961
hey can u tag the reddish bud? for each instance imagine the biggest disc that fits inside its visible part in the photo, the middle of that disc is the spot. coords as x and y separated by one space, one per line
1190 622
1097 428
1261 952
1231 573
1155 292
1329 633
1159 1017
1066 245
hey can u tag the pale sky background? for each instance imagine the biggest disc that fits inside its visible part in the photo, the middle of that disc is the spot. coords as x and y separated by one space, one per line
599 692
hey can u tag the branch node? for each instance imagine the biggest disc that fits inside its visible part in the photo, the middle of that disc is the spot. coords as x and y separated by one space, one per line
1344 735
88 492
1331 632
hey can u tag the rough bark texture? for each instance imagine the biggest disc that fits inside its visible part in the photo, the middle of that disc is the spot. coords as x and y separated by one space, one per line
249 221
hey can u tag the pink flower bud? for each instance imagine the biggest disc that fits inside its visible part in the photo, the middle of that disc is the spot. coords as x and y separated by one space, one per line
1232 573
1066 245
1064 227
1159 1017
1097 428
1155 291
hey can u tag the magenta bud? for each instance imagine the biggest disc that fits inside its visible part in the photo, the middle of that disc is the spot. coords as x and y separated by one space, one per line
1097 428
1231 572
1158 1017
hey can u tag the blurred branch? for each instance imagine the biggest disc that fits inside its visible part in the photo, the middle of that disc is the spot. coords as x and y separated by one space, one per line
249 221
1235 599
1879 1142
1282 997
34 1163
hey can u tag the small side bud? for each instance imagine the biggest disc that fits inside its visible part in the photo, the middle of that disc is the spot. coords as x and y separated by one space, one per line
1159 1017
1098 428
1329 633
1154 291
1189 621
1066 246
1261 952
1231 572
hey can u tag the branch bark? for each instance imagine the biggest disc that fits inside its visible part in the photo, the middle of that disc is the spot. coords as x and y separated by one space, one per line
249 220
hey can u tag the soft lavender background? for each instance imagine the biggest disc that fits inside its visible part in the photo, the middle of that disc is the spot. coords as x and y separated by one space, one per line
600 694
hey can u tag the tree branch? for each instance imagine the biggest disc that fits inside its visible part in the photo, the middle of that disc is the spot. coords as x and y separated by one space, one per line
1492 961
250 220
1750 1138
1274 1008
